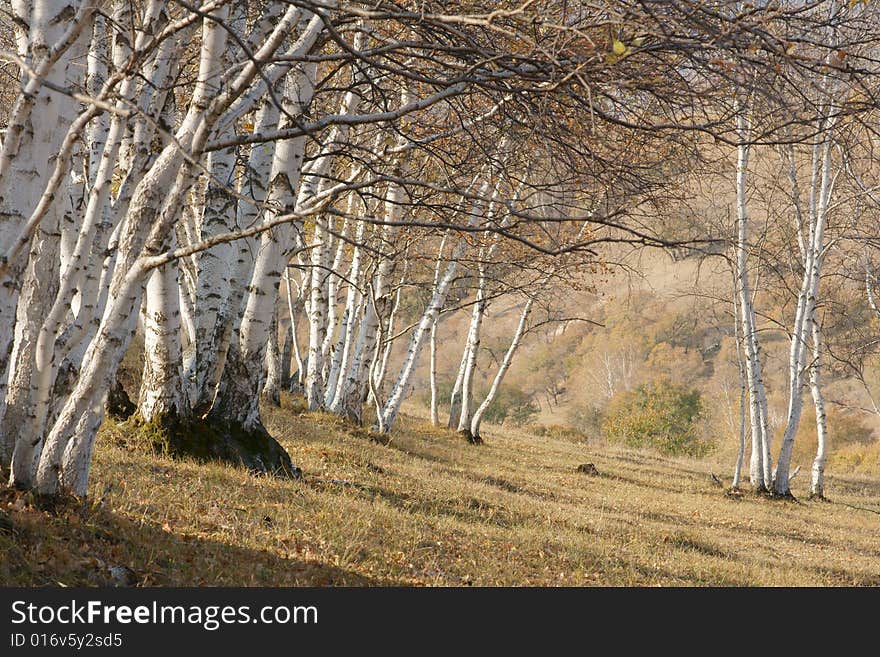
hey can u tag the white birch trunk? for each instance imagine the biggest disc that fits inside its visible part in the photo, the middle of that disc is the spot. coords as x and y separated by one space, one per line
758 467
805 311
294 338
740 361
472 348
318 316
271 391
330 355
161 393
502 370
455 395
238 395
345 343
435 414
817 480
379 377
96 64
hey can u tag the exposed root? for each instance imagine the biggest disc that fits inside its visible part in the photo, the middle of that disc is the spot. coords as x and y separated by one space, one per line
473 439
52 504
761 491
781 497
205 440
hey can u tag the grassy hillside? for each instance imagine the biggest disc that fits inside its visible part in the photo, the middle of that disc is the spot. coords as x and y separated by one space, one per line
428 509
662 321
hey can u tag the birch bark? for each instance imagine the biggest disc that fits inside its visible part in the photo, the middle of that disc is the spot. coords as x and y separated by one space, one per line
161 391
758 467
345 345
502 370
65 460
807 297
435 414
472 348
817 480
237 400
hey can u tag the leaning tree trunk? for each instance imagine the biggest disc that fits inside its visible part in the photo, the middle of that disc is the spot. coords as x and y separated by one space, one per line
455 395
502 370
473 350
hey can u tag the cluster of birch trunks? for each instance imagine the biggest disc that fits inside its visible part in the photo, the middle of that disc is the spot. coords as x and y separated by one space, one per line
211 174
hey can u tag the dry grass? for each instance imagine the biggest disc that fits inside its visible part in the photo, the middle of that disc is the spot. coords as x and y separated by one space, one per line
428 509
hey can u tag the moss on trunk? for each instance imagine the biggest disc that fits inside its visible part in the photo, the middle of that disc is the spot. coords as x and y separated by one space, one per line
254 449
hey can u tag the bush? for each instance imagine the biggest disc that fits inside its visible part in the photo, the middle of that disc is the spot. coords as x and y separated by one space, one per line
846 430
511 405
560 432
662 415
587 420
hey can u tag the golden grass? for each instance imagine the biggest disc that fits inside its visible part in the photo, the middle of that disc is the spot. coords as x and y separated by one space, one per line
429 509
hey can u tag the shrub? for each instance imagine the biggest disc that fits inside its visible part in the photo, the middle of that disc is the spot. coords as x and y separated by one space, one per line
846 430
559 431
587 420
511 405
662 415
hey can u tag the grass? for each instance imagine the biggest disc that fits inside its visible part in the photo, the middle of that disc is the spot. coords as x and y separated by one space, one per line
428 509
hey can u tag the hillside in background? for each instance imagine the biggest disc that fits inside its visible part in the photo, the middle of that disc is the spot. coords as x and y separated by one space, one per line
657 319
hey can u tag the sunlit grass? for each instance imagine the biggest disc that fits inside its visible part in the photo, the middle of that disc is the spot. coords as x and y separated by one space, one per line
429 509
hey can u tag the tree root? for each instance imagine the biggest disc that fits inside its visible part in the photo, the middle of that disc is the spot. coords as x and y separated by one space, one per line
473 439
206 441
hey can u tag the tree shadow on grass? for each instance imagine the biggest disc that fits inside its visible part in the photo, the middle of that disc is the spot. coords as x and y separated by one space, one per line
76 544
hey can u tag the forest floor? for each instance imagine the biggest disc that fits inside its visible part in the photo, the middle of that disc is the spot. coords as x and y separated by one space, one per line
429 509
